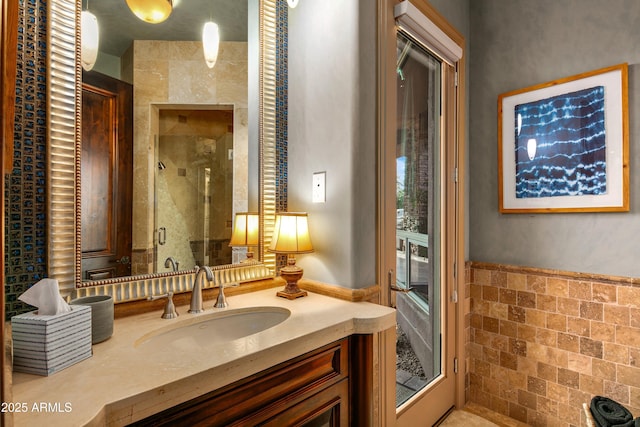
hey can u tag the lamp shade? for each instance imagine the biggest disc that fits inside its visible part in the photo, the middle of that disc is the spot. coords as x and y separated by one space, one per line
245 230
151 11
89 39
292 3
291 234
210 43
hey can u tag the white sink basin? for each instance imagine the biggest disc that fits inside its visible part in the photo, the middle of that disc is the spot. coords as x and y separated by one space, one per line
213 329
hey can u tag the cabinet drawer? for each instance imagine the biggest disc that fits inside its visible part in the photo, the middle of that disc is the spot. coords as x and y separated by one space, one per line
262 396
329 407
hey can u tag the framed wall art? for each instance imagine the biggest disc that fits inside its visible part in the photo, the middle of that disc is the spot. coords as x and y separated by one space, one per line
563 146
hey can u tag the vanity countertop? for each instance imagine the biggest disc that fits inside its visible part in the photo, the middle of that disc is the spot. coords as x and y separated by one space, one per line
125 380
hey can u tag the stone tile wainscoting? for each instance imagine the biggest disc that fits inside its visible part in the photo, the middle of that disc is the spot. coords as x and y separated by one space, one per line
542 342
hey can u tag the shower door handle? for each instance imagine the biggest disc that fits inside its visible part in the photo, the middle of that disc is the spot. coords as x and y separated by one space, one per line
162 235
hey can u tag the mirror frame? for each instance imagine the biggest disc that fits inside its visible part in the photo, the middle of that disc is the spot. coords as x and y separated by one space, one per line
64 75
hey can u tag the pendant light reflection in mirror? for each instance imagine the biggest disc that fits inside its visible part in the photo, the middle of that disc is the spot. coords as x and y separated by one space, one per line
151 11
210 43
90 39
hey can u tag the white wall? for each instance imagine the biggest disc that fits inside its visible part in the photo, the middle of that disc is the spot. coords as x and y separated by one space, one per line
332 128
456 12
108 64
519 43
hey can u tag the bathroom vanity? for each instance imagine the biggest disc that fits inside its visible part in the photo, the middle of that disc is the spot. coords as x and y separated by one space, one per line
304 365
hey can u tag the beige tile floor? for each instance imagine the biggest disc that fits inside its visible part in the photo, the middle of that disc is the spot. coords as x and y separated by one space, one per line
474 415
460 417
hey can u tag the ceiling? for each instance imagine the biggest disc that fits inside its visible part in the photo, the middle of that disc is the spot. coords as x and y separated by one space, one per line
119 26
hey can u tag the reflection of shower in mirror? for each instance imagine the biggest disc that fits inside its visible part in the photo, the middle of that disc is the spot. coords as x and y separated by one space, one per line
171 263
195 201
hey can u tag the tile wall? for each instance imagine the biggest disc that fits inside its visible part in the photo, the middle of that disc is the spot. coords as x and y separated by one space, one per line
542 342
25 185
282 108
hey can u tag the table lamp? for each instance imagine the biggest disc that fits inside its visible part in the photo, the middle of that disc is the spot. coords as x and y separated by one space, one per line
245 232
291 236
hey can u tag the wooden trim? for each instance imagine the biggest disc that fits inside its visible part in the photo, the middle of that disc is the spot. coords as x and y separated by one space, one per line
425 7
386 101
361 380
548 272
354 295
386 368
453 271
8 60
9 51
461 353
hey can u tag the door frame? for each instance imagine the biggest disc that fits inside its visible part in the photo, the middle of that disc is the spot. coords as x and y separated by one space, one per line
454 272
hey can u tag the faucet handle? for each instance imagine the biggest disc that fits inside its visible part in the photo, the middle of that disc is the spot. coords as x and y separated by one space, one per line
221 301
169 308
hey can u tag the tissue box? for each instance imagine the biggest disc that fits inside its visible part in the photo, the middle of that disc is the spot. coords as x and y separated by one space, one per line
43 345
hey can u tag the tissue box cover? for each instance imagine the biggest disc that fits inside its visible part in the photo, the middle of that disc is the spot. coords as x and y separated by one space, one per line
43 345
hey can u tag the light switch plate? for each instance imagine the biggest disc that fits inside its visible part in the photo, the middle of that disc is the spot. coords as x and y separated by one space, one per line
318 192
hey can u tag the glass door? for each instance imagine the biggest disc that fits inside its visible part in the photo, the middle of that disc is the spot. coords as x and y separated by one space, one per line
420 290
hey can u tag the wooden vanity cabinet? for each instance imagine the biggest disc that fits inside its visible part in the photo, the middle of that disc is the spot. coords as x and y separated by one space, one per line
320 388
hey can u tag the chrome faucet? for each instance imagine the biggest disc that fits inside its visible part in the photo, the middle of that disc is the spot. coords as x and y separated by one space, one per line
171 262
196 292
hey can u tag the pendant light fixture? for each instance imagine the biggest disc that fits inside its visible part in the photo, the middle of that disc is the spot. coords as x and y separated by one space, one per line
89 39
151 11
292 3
210 43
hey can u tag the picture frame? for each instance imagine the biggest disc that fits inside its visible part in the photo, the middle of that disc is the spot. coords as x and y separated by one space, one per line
563 145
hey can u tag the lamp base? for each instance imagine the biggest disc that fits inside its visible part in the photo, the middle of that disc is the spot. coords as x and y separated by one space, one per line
291 273
292 295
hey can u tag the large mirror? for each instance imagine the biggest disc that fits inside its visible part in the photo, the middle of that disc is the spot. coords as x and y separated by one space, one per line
201 138
163 178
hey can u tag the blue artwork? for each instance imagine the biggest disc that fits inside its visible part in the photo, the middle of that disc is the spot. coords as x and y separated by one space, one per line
560 145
